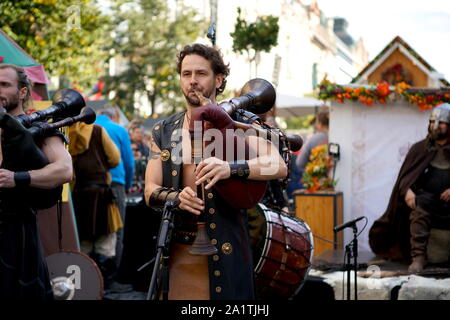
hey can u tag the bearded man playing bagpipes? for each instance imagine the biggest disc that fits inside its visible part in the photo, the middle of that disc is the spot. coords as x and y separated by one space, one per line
208 191
32 171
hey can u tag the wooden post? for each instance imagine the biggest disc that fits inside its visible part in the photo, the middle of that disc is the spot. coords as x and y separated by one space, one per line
322 211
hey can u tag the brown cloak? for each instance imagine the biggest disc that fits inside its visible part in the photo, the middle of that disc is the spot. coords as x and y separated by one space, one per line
389 236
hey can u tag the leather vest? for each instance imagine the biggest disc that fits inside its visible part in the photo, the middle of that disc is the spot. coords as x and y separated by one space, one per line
231 269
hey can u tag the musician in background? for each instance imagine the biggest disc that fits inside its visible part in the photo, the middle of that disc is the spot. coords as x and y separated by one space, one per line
137 136
122 174
228 274
23 271
420 198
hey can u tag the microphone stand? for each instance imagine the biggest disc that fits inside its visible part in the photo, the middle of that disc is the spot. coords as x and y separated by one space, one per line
351 250
160 275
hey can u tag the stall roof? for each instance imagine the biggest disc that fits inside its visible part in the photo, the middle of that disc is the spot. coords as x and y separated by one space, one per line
294 106
404 47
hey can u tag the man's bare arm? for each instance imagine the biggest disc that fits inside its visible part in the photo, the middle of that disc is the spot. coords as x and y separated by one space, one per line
59 171
56 173
154 180
153 173
268 164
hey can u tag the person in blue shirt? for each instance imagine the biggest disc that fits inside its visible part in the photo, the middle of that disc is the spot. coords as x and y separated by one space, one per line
122 175
137 136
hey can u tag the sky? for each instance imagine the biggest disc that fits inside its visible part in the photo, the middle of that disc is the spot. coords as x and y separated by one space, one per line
424 25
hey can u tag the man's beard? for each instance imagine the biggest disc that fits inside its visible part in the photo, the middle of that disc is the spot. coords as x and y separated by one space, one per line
9 105
192 98
438 134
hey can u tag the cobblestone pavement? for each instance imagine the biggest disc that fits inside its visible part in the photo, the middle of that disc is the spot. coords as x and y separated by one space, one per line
118 291
132 295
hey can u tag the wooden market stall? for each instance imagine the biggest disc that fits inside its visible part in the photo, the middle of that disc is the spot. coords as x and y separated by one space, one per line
375 119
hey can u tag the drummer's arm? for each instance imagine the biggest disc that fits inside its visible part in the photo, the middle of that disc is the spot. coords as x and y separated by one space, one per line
268 164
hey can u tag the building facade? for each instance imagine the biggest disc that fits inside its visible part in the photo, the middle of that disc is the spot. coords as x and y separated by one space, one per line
310 45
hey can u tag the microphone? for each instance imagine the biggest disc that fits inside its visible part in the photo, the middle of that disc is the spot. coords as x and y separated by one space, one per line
348 224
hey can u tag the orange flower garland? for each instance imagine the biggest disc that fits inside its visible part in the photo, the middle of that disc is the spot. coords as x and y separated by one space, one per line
381 93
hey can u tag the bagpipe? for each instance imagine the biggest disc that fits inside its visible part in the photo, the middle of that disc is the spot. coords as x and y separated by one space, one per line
257 97
21 136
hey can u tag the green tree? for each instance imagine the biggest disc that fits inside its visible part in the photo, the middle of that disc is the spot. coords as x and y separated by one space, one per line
148 37
255 37
68 37
299 122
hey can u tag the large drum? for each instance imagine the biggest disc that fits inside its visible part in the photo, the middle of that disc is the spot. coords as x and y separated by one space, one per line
74 276
282 251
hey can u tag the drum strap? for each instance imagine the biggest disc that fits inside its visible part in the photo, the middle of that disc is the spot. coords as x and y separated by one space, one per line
286 236
284 255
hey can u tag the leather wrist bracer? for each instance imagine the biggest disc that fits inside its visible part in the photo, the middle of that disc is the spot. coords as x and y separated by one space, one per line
239 170
22 179
159 196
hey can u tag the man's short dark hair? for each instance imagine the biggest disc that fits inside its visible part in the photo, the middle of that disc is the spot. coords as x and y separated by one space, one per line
133 129
213 55
109 111
323 117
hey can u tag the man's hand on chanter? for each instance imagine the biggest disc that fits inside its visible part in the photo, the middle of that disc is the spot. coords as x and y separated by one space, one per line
211 168
190 202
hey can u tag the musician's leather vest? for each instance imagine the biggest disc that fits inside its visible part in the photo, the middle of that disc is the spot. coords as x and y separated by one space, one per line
231 269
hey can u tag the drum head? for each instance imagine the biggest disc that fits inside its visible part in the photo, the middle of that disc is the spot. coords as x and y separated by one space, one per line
74 276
